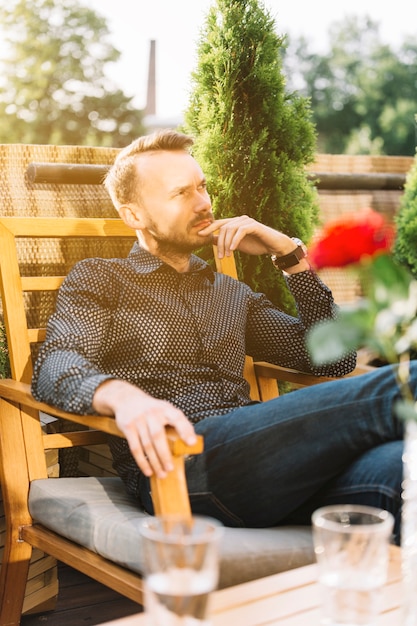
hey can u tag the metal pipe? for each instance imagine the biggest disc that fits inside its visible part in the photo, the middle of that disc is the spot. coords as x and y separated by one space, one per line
86 174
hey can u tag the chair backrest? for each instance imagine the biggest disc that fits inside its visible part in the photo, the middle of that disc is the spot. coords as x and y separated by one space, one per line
21 334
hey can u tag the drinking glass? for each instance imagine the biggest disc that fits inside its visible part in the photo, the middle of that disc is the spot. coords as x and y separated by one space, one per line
351 544
181 568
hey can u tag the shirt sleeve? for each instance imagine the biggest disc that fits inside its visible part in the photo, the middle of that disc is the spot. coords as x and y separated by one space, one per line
280 338
67 372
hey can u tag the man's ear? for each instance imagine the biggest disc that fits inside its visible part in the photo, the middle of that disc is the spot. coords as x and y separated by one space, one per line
131 216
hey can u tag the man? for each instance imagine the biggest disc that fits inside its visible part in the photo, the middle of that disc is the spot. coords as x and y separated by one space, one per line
159 338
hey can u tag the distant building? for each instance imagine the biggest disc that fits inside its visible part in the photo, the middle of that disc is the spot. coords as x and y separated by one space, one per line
151 120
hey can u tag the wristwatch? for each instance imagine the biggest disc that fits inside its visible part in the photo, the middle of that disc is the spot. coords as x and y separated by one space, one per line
291 259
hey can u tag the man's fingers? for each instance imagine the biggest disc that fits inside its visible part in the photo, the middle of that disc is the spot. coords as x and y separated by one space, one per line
144 424
230 232
138 454
184 428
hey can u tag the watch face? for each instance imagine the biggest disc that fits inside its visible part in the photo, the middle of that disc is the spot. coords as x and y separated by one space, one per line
301 244
293 258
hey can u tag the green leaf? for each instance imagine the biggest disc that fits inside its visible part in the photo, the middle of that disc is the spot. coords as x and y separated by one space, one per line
406 410
328 341
386 281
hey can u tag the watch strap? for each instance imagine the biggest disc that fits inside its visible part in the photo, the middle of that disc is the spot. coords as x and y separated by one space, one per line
292 258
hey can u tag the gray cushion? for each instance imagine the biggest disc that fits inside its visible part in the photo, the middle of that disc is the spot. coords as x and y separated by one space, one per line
98 514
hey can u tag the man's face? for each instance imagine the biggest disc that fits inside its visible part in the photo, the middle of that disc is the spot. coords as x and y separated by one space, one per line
174 203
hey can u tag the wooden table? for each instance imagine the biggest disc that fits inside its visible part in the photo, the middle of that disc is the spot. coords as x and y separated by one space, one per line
288 599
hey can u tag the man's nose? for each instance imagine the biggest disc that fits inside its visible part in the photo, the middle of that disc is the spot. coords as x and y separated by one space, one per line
203 203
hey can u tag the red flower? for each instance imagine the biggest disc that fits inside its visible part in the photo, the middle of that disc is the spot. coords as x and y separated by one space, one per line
349 238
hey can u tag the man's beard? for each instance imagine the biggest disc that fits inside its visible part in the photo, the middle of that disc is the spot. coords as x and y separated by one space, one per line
177 244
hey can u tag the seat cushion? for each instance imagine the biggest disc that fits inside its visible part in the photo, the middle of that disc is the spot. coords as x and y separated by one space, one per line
99 514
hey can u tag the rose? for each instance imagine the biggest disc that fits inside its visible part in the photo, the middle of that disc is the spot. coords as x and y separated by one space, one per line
348 239
384 319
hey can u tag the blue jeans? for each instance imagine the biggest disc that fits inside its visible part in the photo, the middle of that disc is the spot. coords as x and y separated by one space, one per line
273 463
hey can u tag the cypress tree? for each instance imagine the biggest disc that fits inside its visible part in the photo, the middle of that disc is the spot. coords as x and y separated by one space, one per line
405 249
253 139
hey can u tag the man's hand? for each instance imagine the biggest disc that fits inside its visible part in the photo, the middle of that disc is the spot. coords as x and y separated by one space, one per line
142 419
247 235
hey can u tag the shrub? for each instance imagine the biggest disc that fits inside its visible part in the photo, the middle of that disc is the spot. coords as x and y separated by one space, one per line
253 139
4 353
405 248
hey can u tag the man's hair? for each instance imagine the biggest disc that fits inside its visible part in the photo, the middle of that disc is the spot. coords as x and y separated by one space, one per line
122 180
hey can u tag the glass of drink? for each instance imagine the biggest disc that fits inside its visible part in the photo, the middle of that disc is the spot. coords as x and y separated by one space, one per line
351 544
181 568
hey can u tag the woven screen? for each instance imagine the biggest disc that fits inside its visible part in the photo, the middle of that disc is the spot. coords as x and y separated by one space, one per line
334 204
22 198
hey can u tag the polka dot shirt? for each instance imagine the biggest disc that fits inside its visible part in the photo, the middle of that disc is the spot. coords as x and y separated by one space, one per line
178 336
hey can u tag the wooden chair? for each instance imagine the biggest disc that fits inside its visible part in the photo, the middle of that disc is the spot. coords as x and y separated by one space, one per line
90 522
22 442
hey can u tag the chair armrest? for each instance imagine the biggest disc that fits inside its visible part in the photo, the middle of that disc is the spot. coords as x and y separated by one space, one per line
277 372
20 393
361 368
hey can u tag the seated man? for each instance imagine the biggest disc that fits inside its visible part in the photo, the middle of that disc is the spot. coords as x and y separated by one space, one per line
158 338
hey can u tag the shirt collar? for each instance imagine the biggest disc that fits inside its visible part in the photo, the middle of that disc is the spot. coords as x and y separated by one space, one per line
146 263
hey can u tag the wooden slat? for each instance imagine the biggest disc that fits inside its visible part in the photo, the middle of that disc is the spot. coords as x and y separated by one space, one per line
16 554
41 283
81 600
121 580
44 598
251 378
46 227
36 335
13 308
268 387
71 439
226 265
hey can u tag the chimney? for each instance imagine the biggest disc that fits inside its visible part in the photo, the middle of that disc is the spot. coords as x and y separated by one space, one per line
150 108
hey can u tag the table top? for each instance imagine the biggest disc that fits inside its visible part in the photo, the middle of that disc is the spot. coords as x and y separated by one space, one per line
288 599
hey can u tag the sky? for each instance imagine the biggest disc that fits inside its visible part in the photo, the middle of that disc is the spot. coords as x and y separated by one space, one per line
175 25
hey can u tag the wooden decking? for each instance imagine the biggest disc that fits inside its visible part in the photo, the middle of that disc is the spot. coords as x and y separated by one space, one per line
82 601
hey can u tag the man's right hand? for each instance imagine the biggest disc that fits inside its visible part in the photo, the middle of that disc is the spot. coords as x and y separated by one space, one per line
142 419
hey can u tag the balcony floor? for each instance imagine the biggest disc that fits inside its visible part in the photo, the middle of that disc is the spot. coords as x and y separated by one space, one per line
82 601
